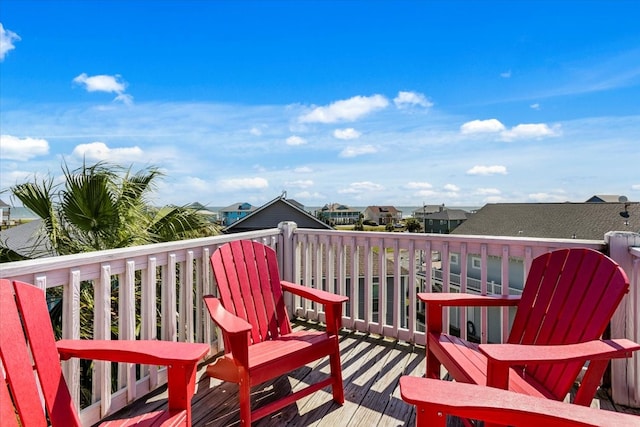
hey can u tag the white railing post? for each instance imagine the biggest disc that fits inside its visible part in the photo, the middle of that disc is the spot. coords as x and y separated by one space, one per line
288 251
625 373
288 259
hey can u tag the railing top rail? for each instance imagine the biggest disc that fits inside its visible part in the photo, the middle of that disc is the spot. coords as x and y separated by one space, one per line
18 268
635 251
531 241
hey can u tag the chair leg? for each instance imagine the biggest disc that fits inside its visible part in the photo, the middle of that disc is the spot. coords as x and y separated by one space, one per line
336 373
244 395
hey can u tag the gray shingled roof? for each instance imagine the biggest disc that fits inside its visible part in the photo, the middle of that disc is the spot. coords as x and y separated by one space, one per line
449 215
552 220
274 212
27 239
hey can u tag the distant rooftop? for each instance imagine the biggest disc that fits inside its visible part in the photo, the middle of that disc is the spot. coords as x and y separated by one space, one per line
553 220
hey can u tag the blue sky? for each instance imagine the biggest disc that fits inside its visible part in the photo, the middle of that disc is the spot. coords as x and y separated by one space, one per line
403 103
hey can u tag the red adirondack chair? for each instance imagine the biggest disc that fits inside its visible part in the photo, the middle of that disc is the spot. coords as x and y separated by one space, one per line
28 347
568 299
435 400
259 343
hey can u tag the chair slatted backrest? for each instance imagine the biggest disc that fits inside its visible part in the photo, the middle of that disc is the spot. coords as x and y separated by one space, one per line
249 287
569 296
27 343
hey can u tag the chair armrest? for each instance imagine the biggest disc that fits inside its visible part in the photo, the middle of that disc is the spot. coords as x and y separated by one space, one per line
470 300
501 356
518 354
227 321
331 302
316 295
436 398
148 352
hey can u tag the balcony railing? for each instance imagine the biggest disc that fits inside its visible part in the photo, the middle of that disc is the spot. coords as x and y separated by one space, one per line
156 292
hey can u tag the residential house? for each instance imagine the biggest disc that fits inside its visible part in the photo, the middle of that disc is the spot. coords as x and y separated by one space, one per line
543 220
383 214
445 220
273 213
425 210
338 214
235 212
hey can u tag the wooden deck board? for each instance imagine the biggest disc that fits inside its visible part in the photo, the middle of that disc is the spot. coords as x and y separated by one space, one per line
372 366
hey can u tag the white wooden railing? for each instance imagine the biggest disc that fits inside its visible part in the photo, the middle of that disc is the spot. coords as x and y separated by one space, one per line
163 285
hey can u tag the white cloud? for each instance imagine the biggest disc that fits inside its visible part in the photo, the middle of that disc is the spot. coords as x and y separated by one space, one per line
300 183
7 38
547 197
488 191
345 110
14 148
105 83
482 126
427 193
527 131
101 83
303 169
635 187
233 184
255 131
100 151
418 185
409 99
535 106
361 187
358 151
296 140
309 195
506 74
452 187
494 199
348 133
487 170
125 98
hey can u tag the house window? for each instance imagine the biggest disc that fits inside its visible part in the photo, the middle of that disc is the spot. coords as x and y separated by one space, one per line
453 259
476 262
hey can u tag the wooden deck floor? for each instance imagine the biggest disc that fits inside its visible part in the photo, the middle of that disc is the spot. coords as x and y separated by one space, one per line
372 366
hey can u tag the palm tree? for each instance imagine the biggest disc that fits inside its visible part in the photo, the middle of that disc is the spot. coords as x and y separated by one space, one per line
99 207
105 207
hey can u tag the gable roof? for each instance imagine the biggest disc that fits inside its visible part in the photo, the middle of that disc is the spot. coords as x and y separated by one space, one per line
552 220
384 209
449 215
427 209
273 213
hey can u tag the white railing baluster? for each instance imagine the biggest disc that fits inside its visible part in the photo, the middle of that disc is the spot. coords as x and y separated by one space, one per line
102 331
149 318
127 319
71 330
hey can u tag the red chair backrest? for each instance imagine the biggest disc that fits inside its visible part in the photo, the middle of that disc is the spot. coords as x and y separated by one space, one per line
27 343
569 297
249 287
